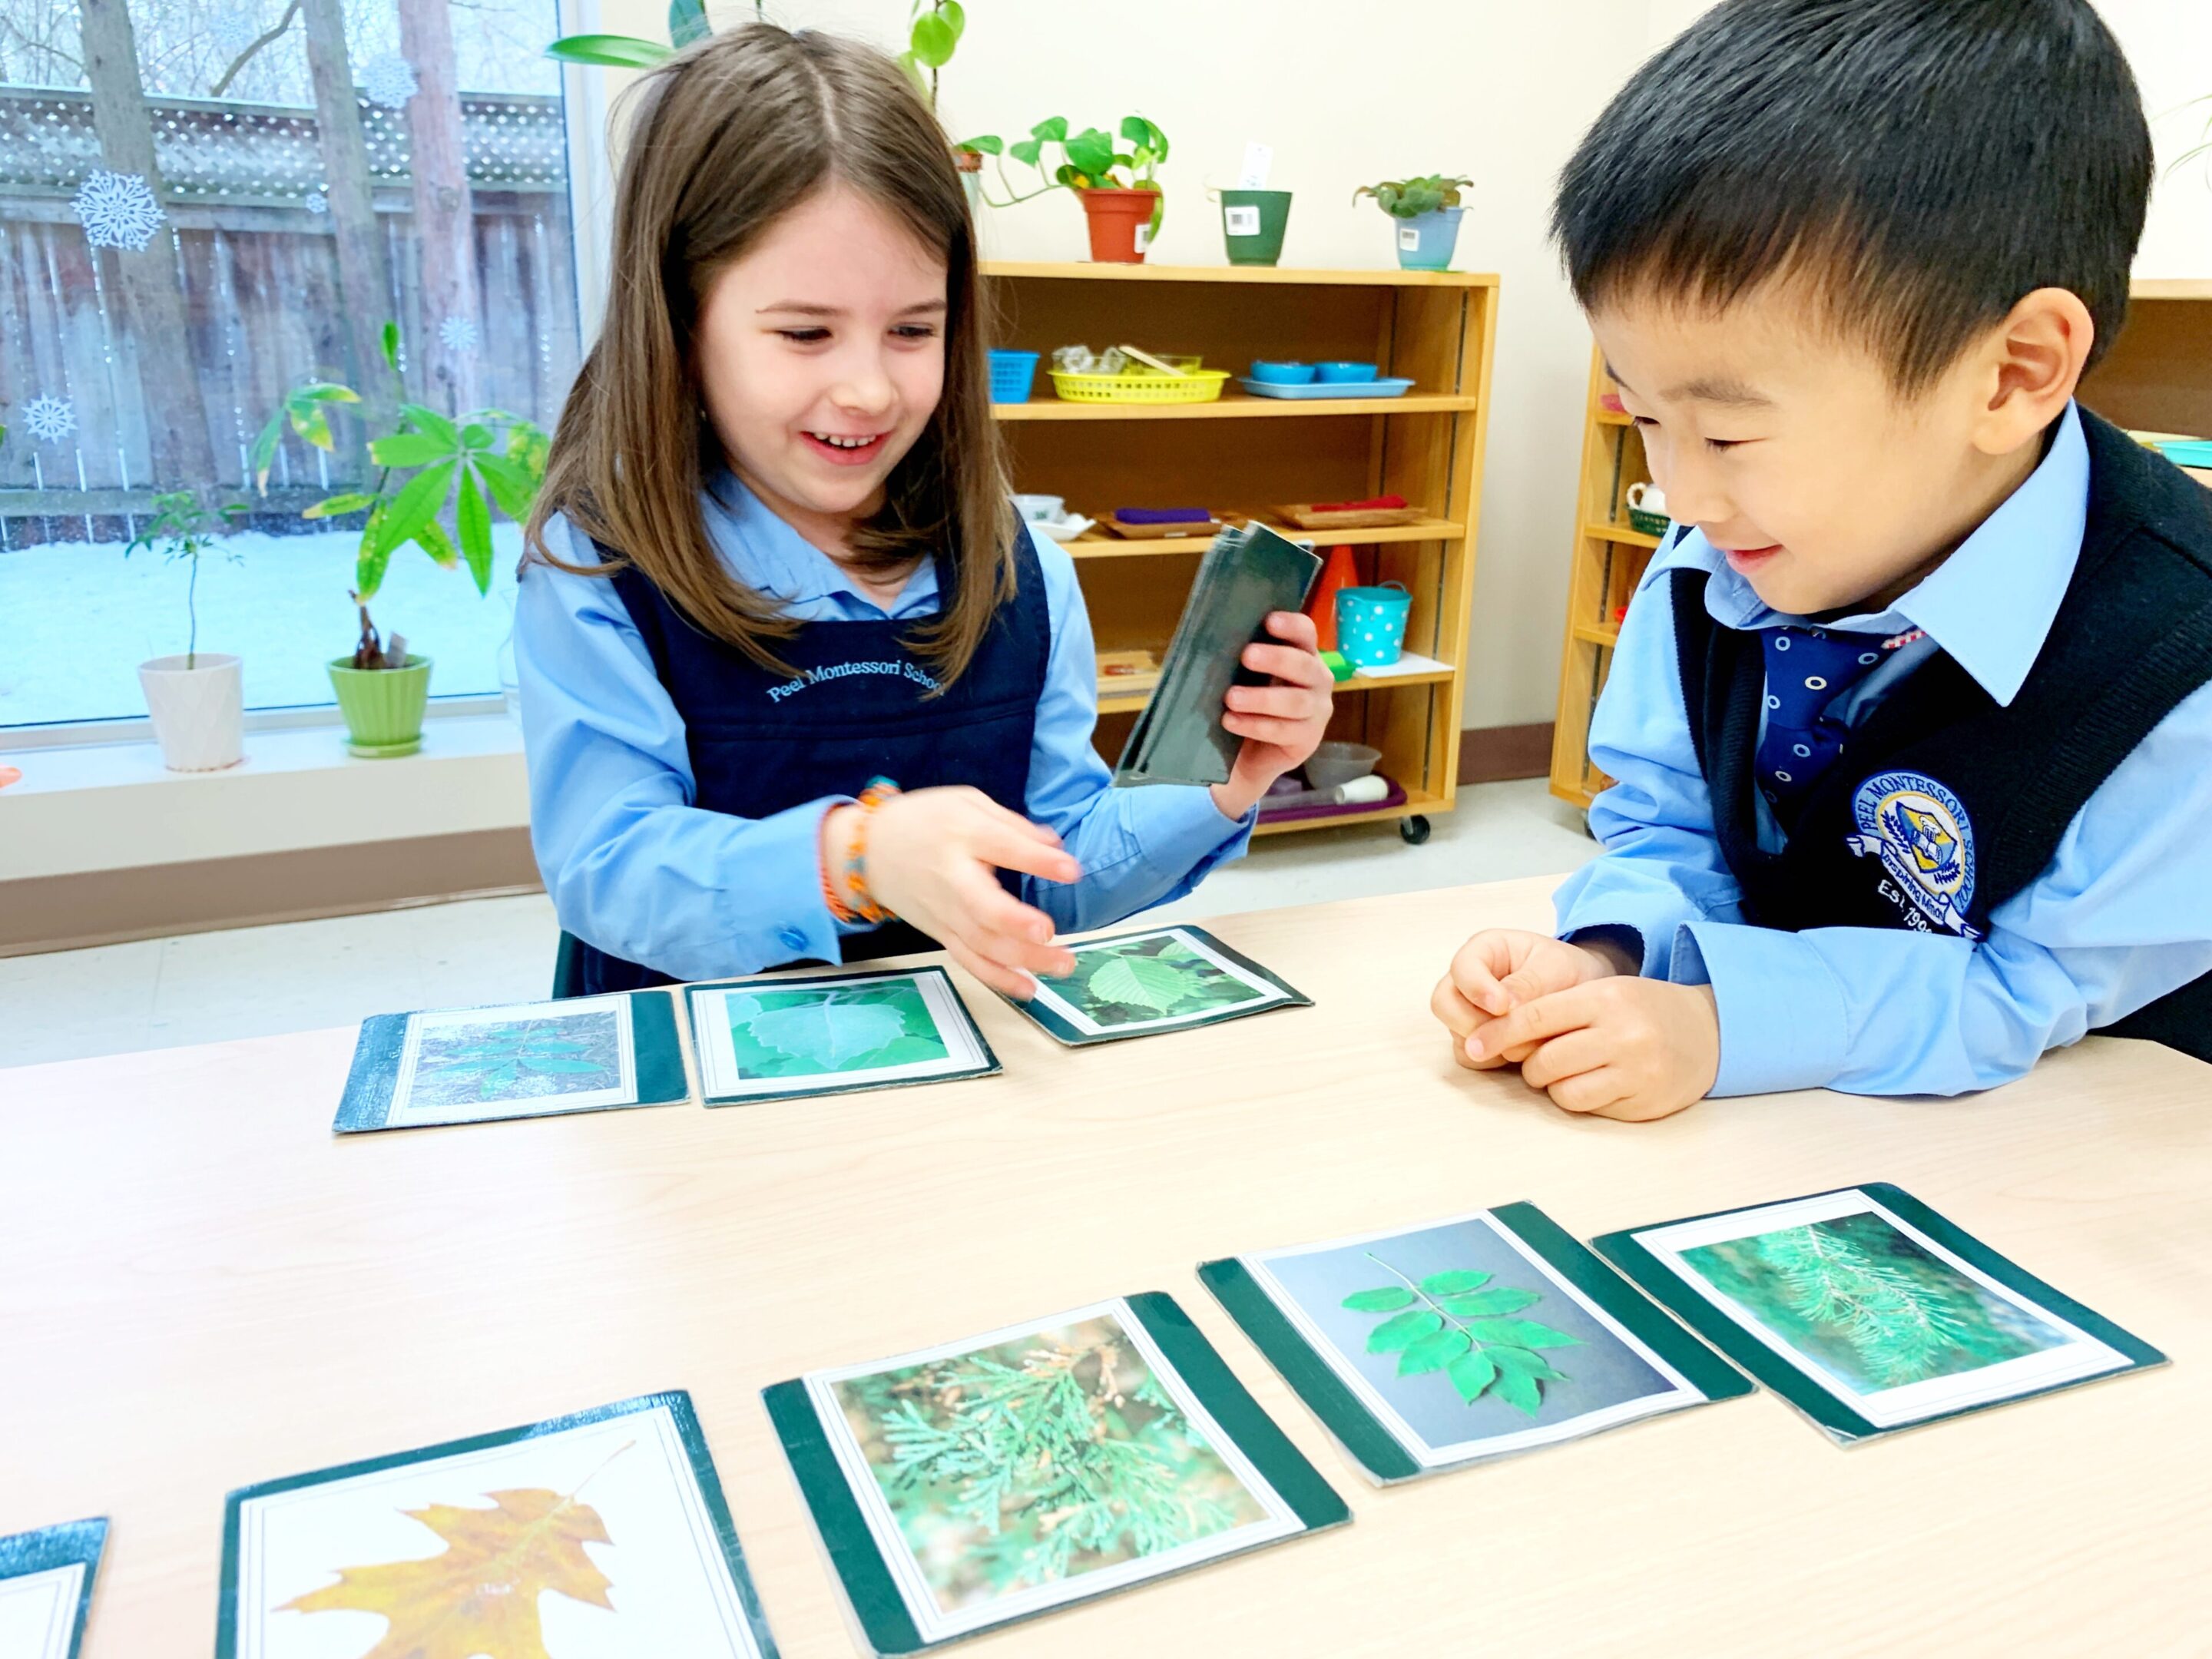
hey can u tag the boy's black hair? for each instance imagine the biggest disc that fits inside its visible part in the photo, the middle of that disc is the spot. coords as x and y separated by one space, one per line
1926 163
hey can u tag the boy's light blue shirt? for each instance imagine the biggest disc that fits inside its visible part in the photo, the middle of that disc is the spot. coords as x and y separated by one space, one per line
635 869
2122 916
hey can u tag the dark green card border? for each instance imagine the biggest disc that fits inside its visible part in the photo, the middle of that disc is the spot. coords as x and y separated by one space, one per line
990 1067
1065 1034
1623 1250
870 1590
678 1402
657 1059
1362 1435
44 1548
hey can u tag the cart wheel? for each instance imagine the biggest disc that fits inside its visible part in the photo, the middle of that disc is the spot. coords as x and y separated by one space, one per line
1413 830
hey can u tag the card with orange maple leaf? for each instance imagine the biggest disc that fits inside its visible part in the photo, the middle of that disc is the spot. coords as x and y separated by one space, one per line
592 1536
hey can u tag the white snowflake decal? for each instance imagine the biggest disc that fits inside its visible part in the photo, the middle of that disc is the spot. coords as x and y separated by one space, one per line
389 80
117 209
457 334
49 418
317 201
235 29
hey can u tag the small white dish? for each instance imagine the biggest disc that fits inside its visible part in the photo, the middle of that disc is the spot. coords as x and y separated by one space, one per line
1063 530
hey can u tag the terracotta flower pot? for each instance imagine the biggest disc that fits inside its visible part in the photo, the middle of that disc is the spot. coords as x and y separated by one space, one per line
1121 224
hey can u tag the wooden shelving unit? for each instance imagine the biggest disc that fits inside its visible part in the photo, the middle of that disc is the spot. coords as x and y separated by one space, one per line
1234 455
2157 377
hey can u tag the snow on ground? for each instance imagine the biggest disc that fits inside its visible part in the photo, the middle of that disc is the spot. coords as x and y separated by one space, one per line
76 618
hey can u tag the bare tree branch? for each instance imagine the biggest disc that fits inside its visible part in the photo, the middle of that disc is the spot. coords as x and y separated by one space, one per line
266 38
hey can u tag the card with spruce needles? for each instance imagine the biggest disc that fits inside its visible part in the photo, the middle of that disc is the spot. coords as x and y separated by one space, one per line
1163 978
46 1589
1869 1312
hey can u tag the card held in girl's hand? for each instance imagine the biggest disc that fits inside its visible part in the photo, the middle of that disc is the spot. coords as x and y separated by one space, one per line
1869 1312
1005 1475
46 1589
519 1059
781 1038
601 1535
1163 979
1423 1348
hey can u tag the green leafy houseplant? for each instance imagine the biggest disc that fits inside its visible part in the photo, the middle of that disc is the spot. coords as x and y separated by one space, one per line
183 527
1457 1323
1409 198
1090 160
933 32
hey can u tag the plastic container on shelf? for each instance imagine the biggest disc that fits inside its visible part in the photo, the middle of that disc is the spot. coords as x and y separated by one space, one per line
1344 373
1333 765
1012 374
1371 623
1201 387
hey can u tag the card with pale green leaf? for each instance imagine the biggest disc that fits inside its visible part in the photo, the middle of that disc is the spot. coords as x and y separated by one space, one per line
1165 979
1424 1348
777 1037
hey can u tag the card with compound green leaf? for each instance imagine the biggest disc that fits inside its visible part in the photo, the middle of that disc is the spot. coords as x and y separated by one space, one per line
1427 1347
776 1037
1003 1476
1164 979
517 1059
46 1589
1869 1311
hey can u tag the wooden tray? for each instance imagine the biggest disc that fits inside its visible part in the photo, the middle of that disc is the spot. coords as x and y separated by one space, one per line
1303 515
1150 532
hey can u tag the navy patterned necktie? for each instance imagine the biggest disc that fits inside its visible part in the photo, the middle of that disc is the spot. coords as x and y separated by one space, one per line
1807 670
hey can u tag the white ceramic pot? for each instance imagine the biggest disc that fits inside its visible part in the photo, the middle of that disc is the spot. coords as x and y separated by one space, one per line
199 712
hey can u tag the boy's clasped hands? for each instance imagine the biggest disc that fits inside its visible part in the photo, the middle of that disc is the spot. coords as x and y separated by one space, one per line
1580 1024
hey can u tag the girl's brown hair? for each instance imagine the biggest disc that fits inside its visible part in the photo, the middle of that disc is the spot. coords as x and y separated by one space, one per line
730 135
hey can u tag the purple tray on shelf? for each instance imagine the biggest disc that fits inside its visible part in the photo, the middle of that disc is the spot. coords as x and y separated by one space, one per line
1300 814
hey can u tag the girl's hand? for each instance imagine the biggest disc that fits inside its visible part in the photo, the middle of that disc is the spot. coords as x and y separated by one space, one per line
1498 970
1614 1047
1281 723
932 859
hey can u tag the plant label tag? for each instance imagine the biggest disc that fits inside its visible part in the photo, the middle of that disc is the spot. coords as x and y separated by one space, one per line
1409 239
1258 159
1240 221
1143 237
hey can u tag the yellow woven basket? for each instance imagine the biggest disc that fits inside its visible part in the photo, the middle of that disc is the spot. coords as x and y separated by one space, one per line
1199 387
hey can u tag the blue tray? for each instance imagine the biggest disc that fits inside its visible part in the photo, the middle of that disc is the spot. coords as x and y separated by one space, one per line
1329 389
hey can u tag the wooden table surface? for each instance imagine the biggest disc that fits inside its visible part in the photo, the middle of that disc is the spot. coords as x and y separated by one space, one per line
200 1288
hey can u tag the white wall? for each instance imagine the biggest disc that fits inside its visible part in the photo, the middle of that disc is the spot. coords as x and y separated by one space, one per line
1496 89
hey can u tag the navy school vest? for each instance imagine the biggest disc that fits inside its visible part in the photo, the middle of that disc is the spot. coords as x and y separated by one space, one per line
859 708
1945 804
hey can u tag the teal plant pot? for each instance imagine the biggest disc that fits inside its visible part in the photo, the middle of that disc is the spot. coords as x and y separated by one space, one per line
1427 241
383 706
1252 224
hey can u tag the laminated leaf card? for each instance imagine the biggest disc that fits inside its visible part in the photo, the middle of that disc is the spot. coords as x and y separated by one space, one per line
779 1037
1423 1348
45 1589
522 1060
1008 1475
1869 1311
603 1535
1165 979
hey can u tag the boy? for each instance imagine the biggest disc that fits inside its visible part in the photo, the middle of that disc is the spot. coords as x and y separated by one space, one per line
1911 716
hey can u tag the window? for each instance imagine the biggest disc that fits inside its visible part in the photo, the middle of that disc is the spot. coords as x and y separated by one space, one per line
246 194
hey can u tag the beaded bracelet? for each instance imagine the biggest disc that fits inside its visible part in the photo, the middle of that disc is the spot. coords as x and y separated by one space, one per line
862 907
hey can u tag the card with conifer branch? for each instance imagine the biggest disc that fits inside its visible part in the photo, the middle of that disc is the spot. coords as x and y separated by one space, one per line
46 1589
1163 978
1869 1311
1005 1475
1426 1347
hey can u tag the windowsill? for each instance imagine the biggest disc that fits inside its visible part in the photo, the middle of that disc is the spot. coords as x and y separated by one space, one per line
113 807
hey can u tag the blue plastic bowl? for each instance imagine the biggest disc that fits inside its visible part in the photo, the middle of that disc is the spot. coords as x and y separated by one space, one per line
1012 374
1339 373
1283 373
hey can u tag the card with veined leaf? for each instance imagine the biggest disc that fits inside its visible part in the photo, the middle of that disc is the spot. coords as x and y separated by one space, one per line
46 1589
1869 1311
1004 1476
775 1037
1426 1347
520 1060
601 1535
1164 979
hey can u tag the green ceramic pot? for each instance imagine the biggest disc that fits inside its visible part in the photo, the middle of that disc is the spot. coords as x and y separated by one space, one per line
383 706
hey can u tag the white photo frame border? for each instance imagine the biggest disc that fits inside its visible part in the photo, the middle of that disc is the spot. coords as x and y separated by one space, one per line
403 1113
1264 994
719 1077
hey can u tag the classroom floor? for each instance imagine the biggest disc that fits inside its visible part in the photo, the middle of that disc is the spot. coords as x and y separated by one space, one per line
299 977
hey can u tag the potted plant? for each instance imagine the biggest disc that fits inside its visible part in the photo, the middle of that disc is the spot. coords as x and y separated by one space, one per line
1119 189
432 470
1427 210
197 701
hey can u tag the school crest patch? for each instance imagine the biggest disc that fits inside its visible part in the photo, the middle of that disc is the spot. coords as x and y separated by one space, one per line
1920 832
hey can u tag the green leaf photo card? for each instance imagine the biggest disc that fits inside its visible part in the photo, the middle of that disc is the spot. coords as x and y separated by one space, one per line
1869 1312
1007 1476
1425 1348
1163 979
594 1535
517 1059
46 1589
775 1037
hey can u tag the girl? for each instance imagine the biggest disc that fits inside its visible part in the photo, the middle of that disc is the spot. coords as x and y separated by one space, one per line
790 667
